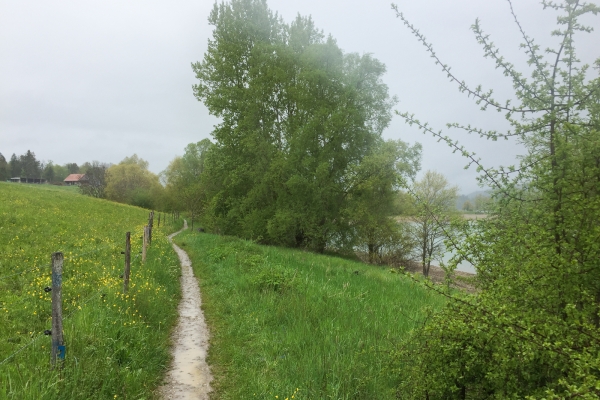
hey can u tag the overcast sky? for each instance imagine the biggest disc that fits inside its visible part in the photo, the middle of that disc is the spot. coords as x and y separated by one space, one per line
101 80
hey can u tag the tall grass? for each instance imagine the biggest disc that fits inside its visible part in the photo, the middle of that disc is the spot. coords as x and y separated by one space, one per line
291 324
117 345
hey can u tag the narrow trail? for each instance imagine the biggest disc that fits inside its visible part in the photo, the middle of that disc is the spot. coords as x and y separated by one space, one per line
189 376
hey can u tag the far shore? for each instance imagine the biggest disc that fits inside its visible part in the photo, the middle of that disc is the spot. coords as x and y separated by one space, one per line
407 218
474 216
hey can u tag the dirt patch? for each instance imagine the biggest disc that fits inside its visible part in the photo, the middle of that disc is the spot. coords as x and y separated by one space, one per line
189 376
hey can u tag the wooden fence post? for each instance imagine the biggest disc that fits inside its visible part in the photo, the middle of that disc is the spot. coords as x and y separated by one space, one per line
127 262
145 244
159 220
150 223
58 348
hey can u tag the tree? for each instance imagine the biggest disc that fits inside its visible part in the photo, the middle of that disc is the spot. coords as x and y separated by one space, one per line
73 168
48 173
136 160
30 166
60 172
435 204
533 329
94 183
467 206
481 202
298 116
373 203
128 182
4 170
14 166
185 178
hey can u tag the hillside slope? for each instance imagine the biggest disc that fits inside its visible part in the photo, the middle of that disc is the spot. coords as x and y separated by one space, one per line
116 344
293 324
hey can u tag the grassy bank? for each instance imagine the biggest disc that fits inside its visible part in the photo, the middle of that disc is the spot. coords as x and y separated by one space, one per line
291 324
116 345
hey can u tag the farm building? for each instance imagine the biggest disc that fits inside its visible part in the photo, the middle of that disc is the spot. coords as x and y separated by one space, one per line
75 179
27 180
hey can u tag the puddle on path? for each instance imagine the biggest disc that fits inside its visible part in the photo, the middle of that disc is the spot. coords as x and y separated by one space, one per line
189 376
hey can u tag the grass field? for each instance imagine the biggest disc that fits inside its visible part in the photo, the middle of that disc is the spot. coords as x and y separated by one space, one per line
117 345
288 324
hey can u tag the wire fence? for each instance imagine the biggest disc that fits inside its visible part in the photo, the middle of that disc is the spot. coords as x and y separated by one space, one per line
79 306
25 271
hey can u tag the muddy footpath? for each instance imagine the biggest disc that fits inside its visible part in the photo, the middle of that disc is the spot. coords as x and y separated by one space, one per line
189 375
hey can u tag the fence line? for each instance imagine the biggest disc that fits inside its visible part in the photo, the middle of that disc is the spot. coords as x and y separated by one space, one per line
87 300
70 258
146 232
40 335
21 349
24 271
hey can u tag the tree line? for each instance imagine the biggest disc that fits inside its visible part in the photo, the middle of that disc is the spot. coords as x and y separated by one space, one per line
28 166
128 182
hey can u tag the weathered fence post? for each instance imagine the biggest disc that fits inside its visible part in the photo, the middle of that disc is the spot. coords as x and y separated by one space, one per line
127 262
159 220
145 244
150 223
58 348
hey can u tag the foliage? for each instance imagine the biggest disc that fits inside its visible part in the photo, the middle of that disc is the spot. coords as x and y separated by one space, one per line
373 202
467 206
117 345
533 329
288 322
95 179
60 172
72 168
186 182
25 165
481 203
299 116
48 173
130 182
4 171
434 219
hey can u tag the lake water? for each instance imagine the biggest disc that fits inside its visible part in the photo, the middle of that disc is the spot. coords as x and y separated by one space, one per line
464 266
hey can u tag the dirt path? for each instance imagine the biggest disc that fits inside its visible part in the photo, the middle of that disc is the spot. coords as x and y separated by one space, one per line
189 376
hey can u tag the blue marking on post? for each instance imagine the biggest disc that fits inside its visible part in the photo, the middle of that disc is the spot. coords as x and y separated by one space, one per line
61 352
56 279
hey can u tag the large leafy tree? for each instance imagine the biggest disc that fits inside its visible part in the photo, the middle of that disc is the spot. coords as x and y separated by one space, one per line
94 182
533 331
298 115
130 182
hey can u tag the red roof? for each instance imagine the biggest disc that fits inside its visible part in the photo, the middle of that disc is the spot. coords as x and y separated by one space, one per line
74 178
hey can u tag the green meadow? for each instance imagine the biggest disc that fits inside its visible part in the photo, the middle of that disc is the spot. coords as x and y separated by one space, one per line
284 323
291 324
117 346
